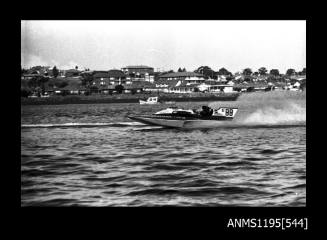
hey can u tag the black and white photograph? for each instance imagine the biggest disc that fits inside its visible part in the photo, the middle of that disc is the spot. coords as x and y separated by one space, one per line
159 113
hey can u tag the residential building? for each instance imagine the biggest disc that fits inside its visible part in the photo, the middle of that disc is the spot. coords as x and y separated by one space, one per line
138 86
117 77
139 73
101 78
111 77
74 87
164 85
183 87
222 78
188 77
213 86
251 86
138 70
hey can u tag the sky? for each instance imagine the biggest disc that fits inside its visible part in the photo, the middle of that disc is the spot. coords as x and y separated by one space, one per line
164 45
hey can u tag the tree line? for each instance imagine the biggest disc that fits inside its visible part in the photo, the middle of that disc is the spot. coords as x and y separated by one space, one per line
210 73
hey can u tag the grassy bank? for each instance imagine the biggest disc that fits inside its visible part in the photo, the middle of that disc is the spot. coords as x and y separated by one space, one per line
128 98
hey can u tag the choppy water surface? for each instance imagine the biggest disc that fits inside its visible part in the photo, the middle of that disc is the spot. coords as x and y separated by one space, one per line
92 155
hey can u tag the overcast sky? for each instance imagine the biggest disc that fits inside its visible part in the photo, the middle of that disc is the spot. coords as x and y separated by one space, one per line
104 45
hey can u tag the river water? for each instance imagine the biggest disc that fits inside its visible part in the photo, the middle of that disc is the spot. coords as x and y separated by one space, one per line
93 155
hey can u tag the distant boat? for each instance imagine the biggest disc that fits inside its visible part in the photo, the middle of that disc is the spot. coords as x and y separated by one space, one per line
150 100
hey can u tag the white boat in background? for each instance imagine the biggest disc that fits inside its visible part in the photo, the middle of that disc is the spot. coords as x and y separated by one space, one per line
150 100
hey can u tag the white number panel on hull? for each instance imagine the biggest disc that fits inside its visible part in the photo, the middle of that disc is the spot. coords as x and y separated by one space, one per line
226 112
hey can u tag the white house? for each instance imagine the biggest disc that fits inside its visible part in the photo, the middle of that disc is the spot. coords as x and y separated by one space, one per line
214 87
294 87
187 77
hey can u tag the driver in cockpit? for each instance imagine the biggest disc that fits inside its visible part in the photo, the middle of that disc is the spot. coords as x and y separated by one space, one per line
206 111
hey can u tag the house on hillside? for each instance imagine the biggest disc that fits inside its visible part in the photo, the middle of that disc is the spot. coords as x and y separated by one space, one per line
295 86
213 86
183 87
117 77
139 73
164 85
138 70
148 77
134 87
237 77
143 85
111 77
137 87
73 89
72 86
250 86
222 78
187 77
100 78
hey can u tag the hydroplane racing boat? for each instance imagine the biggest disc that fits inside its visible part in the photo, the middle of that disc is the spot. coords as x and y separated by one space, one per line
181 118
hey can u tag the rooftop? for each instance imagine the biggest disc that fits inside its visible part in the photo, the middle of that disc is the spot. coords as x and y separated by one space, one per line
116 73
181 74
134 85
137 66
108 74
101 75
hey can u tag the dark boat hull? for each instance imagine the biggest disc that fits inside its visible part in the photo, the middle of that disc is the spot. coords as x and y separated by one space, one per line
179 122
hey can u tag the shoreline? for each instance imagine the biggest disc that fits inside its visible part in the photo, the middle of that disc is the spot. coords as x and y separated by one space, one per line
121 98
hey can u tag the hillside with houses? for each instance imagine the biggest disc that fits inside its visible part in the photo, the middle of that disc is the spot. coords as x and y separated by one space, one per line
45 81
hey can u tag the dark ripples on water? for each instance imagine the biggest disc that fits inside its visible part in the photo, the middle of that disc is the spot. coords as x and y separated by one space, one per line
121 163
